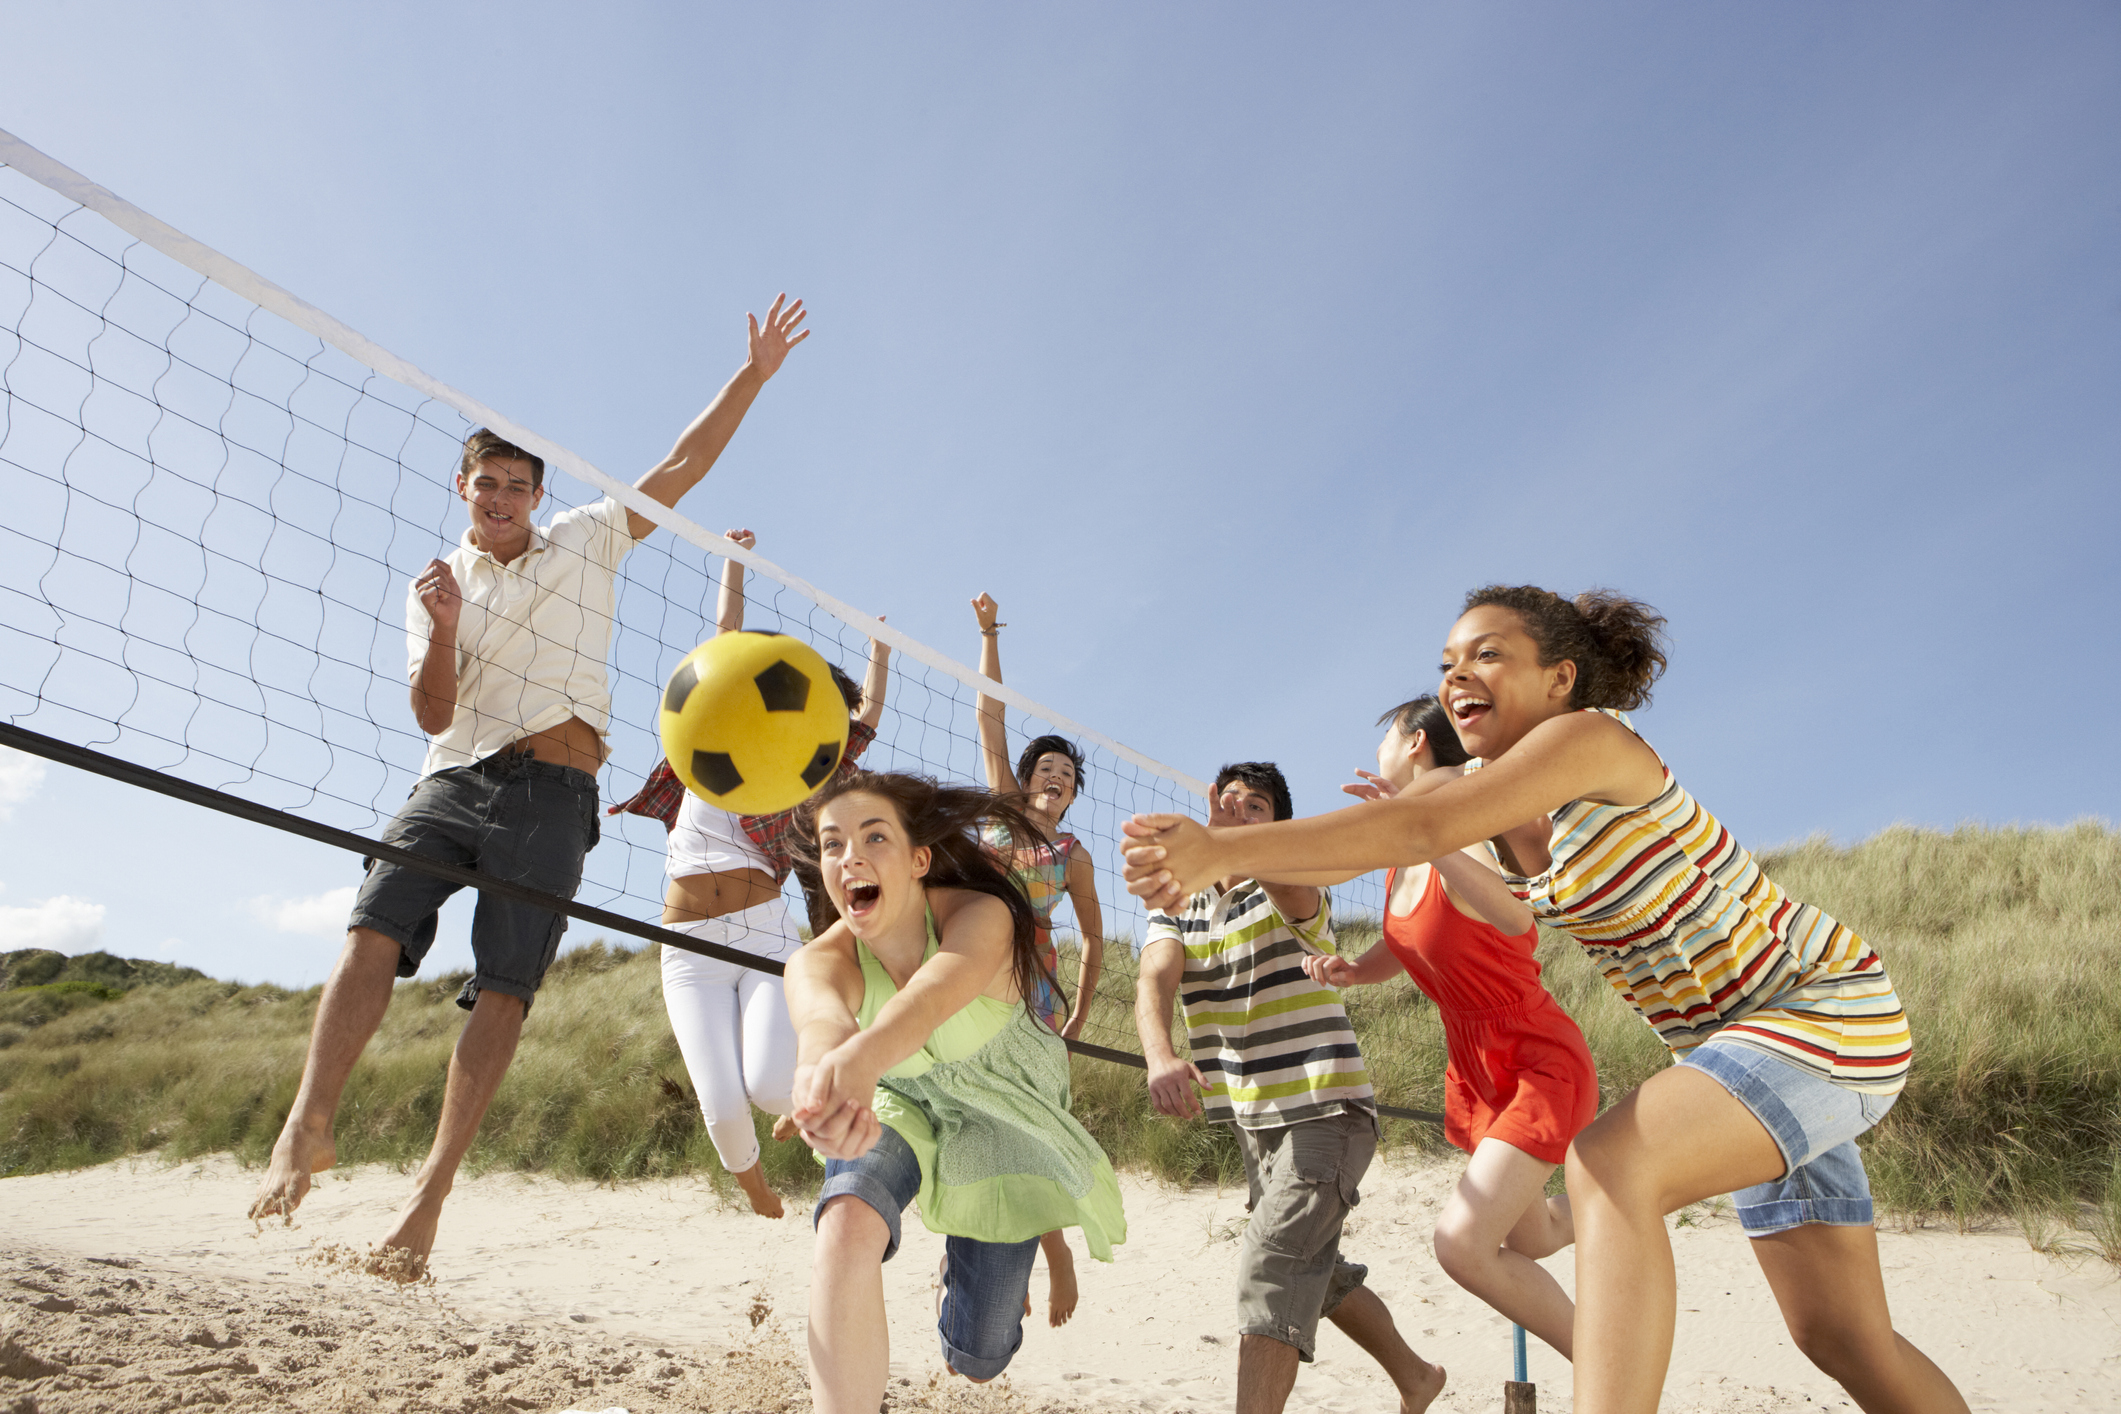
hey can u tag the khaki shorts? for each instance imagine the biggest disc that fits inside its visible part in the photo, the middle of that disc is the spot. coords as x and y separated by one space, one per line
1304 1179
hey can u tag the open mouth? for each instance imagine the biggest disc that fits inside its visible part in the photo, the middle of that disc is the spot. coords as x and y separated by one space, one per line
1469 709
862 896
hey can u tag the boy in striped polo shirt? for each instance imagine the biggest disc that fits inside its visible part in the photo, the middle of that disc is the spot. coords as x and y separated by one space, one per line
1273 1056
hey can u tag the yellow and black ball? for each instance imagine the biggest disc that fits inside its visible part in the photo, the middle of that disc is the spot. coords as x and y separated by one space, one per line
752 722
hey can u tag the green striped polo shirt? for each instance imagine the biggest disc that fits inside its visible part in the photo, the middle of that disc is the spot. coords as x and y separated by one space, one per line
1274 1046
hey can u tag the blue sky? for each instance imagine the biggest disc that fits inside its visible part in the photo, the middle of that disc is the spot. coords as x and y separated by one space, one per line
1227 346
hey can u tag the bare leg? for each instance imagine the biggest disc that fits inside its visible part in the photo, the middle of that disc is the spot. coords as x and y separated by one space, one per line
764 1201
1832 1295
1675 1139
1060 1278
485 1048
1365 1319
355 998
1500 1202
850 1341
1266 1372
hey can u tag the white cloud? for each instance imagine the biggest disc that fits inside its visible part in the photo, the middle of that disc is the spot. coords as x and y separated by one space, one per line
62 924
319 915
21 776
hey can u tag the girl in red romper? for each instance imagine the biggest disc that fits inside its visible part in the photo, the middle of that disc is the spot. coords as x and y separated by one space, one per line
1519 1083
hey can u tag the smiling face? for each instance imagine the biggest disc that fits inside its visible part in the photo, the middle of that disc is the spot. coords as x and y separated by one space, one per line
1493 685
501 496
871 867
1051 784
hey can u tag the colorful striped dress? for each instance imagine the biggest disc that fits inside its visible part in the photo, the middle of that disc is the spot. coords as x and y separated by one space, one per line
1694 936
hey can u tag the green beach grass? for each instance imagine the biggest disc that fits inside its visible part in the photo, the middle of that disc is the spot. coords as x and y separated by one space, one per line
2005 944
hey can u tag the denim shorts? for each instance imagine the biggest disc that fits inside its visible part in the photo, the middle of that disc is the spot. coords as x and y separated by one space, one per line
512 816
1814 1123
981 1321
1304 1177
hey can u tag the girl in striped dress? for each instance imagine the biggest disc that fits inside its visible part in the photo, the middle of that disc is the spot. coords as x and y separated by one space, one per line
1789 1037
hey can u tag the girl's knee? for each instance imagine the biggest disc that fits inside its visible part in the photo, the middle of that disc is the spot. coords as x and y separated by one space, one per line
847 1227
1460 1250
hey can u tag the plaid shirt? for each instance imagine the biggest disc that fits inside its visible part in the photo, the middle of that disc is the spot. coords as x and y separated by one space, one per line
662 794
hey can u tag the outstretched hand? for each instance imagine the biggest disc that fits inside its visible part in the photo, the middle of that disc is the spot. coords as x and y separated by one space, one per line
985 609
1371 787
770 345
1170 858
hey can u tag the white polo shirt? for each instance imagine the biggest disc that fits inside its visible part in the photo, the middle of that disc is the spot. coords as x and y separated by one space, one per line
533 636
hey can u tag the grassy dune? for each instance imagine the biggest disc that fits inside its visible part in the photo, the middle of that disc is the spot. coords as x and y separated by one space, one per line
2005 945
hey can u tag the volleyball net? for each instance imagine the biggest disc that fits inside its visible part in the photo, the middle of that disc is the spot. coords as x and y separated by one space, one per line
218 494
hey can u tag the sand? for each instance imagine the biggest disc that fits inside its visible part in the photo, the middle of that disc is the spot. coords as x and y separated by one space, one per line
138 1287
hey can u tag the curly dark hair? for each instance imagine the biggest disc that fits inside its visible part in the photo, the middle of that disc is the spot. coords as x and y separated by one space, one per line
945 819
1426 714
1616 643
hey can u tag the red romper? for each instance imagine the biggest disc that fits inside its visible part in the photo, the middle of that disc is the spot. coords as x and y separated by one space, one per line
1519 1070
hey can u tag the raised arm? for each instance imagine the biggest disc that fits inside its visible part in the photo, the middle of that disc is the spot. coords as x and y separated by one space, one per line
993 725
1090 925
729 604
701 444
875 681
1581 756
1175 1085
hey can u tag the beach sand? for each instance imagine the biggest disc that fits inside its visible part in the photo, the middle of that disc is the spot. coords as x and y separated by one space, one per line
138 1287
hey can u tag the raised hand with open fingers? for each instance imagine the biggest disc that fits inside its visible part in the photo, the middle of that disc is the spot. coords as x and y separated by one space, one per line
770 344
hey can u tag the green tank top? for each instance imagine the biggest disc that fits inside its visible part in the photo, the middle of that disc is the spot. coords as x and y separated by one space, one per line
984 1107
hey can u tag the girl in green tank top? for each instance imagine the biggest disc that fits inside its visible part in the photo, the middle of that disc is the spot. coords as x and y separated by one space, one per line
922 1076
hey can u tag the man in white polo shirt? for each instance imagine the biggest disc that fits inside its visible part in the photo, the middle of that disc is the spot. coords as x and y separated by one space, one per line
508 639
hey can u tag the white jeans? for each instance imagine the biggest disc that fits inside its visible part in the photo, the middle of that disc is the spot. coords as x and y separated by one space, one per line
732 1025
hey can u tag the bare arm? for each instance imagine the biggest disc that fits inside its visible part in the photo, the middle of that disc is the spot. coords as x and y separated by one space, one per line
1090 925
1580 756
1478 886
1376 965
823 985
1298 902
701 444
875 681
434 685
976 935
729 604
1174 1085
993 723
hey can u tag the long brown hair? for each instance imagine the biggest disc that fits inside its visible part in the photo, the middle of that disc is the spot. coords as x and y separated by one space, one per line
945 819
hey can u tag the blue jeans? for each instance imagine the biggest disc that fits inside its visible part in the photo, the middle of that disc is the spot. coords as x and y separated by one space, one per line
1813 1122
981 1322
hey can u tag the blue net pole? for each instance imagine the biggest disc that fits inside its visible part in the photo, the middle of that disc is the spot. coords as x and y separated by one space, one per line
1517 1353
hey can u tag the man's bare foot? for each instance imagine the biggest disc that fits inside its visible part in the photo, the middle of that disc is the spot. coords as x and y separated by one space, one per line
1425 1390
1060 1279
407 1246
764 1201
784 1129
301 1150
